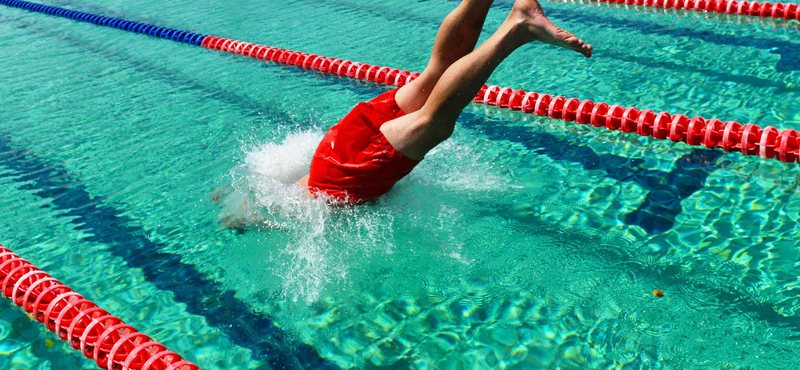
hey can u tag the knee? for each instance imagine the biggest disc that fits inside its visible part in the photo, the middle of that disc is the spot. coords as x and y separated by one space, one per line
438 129
443 132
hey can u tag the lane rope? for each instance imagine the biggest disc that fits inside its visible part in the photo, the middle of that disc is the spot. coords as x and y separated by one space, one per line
123 24
753 9
683 12
99 335
749 139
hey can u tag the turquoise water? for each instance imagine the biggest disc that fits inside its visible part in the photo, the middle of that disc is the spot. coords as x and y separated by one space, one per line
521 243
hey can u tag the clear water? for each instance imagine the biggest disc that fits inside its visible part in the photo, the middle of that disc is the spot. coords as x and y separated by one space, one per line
521 243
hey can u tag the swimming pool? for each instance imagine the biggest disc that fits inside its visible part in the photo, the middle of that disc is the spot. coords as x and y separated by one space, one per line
522 243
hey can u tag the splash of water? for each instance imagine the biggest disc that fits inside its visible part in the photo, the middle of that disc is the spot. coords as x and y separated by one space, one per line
322 247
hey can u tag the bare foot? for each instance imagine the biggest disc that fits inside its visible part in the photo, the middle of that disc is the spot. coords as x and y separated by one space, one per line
530 14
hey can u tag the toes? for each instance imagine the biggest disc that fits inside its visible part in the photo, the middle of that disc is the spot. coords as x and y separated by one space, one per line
586 50
575 43
572 40
580 46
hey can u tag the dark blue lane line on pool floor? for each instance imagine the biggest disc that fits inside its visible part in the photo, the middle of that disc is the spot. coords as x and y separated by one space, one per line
204 297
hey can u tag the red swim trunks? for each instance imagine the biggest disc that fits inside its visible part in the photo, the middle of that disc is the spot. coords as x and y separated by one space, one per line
354 162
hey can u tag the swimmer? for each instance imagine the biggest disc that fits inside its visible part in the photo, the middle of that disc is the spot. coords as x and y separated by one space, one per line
379 142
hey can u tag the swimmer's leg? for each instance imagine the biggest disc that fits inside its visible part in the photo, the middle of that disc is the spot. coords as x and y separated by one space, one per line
457 36
417 133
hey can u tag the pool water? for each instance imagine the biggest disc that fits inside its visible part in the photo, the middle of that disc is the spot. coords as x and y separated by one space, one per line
521 243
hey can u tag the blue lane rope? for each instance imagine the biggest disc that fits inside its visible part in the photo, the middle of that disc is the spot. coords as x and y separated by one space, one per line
119 23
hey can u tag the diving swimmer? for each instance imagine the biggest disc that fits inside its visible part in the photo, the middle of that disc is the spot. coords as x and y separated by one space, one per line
379 142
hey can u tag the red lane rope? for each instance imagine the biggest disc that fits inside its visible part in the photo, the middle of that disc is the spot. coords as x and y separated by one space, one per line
339 67
755 8
749 139
100 336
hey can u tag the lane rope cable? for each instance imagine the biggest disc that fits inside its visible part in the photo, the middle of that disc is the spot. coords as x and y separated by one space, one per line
749 139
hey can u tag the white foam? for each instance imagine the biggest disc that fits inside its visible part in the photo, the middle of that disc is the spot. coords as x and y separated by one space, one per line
287 161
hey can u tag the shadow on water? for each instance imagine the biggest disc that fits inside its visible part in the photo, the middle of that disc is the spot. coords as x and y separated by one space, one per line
666 189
